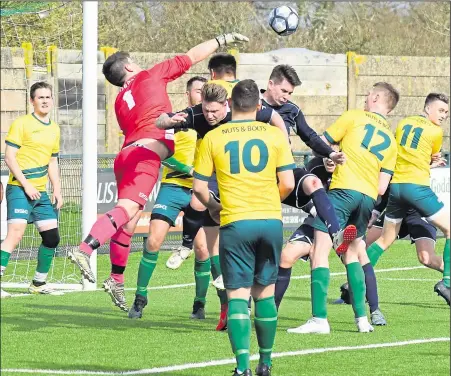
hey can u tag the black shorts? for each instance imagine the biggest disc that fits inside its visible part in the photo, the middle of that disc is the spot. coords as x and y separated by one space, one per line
304 233
213 187
412 226
297 198
208 221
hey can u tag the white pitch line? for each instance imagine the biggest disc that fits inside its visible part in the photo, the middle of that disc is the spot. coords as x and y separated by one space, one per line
409 279
306 276
222 362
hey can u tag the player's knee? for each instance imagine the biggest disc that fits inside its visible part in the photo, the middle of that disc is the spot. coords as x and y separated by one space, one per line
154 243
311 184
424 258
50 238
201 251
14 236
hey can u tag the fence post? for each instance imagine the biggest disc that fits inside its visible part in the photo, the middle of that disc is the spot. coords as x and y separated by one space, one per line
112 131
28 60
352 80
52 74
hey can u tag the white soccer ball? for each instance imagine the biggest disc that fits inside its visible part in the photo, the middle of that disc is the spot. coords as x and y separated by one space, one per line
284 20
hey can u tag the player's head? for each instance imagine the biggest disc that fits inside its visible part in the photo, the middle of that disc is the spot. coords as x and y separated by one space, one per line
119 68
41 98
194 90
281 84
245 97
436 107
214 103
382 98
222 66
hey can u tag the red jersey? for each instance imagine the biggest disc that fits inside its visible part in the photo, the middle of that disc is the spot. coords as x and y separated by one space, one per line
143 99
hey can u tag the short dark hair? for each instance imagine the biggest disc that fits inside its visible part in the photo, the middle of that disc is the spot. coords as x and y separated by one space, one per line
114 68
432 97
245 96
391 93
287 72
39 85
214 93
222 63
192 80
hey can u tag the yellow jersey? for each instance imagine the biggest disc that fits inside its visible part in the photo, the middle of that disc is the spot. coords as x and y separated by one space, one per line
228 85
246 156
37 142
417 139
370 148
185 145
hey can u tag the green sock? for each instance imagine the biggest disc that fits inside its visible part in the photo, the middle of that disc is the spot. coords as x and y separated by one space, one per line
374 251
265 321
45 257
216 272
202 278
356 279
446 261
4 260
146 268
319 287
239 328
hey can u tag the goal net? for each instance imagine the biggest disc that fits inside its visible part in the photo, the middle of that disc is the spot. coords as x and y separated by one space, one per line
32 34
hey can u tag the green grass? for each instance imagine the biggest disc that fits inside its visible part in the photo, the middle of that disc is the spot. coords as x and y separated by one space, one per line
83 331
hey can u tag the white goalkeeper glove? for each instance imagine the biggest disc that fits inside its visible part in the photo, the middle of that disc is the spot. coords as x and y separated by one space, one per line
231 38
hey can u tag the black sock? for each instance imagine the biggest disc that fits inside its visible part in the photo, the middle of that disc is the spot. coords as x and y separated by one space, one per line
283 281
325 210
371 287
192 222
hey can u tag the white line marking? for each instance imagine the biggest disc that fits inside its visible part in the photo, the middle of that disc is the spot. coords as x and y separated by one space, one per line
409 279
306 276
375 270
222 362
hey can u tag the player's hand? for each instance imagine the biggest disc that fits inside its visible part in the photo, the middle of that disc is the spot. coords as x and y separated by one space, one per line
329 164
441 162
338 157
373 219
436 157
32 192
231 38
58 199
178 118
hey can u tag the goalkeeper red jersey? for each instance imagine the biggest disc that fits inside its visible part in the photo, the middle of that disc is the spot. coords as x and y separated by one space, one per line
143 99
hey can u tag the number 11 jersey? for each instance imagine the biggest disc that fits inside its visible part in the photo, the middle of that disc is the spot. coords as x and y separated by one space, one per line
370 147
417 139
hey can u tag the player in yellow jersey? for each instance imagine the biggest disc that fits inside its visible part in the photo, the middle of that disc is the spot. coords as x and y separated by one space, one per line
418 138
248 158
173 197
32 147
370 147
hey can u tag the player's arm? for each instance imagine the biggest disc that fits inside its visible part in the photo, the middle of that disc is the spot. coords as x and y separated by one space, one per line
315 142
205 49
54 177
13 144
203 170
285 165
180 120
13 165
277 121
387 168
178 166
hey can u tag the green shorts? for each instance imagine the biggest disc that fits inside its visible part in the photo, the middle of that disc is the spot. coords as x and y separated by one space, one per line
171 200
404 196
249 252
20 208
351 208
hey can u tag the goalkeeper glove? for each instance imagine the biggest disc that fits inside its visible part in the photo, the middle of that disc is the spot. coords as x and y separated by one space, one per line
231 38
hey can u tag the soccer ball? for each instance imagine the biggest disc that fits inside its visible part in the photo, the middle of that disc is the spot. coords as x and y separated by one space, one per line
284 20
